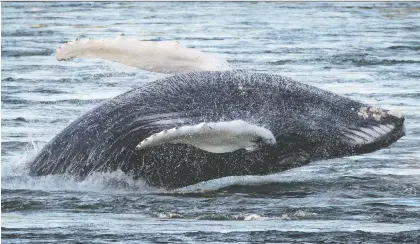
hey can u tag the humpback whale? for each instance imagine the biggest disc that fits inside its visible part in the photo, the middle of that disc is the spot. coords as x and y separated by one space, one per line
209 122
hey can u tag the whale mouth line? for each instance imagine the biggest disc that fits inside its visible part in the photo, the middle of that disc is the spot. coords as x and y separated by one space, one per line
363 141
379 127
368 135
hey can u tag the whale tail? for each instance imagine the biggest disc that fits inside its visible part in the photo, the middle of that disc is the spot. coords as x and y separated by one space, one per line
157 56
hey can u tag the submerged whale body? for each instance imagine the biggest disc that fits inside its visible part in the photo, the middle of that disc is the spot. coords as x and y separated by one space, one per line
198 126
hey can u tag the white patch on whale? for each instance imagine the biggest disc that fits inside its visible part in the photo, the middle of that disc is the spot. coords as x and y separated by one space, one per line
163 56
215 137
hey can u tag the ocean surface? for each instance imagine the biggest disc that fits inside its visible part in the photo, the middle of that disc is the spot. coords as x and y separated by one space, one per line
366 51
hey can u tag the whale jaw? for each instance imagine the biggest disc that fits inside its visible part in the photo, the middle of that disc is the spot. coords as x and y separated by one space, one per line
389 128
394 130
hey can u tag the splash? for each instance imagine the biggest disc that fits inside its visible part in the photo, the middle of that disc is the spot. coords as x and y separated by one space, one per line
292 215
14 176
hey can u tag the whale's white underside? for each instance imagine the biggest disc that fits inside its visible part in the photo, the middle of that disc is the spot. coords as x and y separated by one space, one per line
215 137
367 135
158 56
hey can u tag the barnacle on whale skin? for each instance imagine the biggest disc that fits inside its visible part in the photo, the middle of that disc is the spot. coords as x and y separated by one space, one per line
377 113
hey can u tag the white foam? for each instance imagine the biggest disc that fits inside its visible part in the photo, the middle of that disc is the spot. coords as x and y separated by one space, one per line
15 176
115 181
253 217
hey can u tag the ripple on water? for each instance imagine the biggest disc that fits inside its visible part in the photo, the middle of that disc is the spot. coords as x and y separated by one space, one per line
367 51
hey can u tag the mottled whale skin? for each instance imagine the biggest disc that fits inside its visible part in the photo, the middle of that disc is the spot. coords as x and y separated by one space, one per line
308 124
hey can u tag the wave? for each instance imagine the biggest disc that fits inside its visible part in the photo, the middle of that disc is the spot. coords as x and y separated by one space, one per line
15 177
293 215
29 33
26 53
401 47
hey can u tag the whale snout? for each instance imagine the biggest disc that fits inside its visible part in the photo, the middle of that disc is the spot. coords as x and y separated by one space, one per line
395 118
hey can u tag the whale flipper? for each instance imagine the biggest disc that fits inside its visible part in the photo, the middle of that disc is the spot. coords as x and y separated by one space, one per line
219 137
156 56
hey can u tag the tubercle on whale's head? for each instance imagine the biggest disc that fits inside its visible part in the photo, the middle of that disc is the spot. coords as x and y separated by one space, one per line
379 114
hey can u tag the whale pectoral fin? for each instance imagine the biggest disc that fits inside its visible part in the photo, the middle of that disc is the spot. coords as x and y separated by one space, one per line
215 137
157 56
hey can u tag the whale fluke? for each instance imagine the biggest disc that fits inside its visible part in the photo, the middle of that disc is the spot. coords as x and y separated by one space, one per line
163 56
219 137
